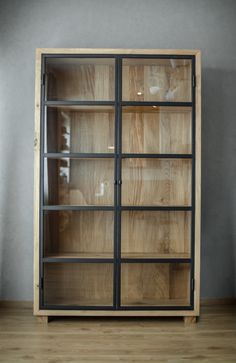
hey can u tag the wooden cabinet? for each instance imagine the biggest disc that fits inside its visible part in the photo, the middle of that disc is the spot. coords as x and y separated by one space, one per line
117 182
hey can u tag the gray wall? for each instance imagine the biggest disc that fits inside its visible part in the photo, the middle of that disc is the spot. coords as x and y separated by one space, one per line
202 24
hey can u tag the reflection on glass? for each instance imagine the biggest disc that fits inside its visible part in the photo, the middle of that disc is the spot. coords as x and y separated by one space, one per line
78 181
159 234
156 80
155 284
80 79
80 234
157 182
156 130
80 129
79 284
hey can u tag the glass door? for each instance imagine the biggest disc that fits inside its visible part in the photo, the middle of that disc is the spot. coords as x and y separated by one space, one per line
157 183
117 182
77 186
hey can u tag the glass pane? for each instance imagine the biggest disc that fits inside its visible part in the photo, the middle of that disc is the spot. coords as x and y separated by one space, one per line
155 284
156 130
157 182
155 234
156 80
80 129
79 181
82 234
80 79
82 284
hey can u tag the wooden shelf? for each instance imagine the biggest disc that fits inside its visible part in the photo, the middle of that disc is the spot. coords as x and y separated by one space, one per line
160 302
85 255
149 255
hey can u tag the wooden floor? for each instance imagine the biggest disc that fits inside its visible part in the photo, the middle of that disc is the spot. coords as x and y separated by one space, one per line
212 339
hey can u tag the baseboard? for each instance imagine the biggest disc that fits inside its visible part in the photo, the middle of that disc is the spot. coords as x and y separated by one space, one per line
218 301
14 304
22 304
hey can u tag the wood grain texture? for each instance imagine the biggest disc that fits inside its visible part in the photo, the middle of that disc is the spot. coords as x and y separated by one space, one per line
156 182
190 319
153 234
80 130
106 340
155 284
86 284
40 51
74 234
156 80
197 254
79 181
37 138
164 130
80 79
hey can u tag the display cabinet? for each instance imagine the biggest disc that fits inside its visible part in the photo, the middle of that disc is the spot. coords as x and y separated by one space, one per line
117 183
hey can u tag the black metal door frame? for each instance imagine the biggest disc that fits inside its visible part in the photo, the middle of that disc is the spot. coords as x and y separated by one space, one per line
117 260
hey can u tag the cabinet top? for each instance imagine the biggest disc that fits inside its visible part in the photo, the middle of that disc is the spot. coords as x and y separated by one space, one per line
40 51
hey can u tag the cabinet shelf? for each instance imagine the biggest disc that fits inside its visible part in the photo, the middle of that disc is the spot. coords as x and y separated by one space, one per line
155 255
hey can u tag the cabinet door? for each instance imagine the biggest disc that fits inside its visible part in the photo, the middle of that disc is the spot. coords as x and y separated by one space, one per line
78 284
80 129
168 80
80 79
155 284
78 196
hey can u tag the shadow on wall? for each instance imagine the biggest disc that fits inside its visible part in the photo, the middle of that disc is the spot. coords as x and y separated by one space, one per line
218 263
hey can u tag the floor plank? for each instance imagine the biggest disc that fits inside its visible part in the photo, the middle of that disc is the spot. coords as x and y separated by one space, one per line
166 340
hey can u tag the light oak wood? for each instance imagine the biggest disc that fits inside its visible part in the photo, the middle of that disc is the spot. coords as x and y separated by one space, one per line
156 80
197 185
156 182
85 284
79 234
80 79
78 130
156 130
37 177
153 284
43 319
155 234
190 319
79 182
212 340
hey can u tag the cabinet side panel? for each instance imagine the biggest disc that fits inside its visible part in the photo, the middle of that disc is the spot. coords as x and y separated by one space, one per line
37 179
198 185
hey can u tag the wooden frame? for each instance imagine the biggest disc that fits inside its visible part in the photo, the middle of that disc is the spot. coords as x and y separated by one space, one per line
185 313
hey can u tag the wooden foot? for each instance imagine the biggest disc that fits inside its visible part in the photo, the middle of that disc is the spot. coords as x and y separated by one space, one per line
190 319
43 319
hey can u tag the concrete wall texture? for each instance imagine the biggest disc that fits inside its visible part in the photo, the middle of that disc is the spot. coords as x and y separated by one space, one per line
208 25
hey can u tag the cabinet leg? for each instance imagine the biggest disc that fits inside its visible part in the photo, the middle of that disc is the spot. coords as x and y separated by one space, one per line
190 319
43 319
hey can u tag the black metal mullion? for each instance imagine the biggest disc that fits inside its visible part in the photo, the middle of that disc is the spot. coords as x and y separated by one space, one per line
158 156
115 188
157 208
117 208
157 103
119 151
155 260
